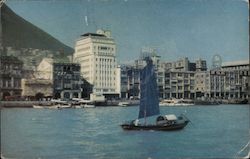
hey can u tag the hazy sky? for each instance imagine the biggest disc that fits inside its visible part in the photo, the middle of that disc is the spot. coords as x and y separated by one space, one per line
177 28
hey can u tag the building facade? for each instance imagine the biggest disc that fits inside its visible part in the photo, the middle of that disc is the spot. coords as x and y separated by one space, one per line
202 83
179 84
96 54
10 77
45 69
124 81
231 81
66 80
191 80
37 89
177 79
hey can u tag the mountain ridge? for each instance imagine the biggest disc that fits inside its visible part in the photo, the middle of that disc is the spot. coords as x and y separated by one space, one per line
20 33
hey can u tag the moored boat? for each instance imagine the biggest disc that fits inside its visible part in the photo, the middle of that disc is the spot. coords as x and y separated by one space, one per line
38 106
88 106
123 104
176 102
206 101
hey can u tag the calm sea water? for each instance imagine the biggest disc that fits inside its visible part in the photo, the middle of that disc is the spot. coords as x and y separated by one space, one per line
215 132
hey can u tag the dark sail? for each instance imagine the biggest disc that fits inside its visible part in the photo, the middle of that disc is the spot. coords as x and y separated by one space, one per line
149 102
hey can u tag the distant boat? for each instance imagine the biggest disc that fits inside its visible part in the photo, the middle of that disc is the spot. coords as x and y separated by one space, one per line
77 106
88 106
206 101
38 106
149 106
176 102
123 104
83 103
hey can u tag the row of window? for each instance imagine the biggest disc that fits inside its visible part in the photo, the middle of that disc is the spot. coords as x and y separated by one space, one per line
83 49
10 67
104 90
104 48
105 60
104 78
105 84
5 83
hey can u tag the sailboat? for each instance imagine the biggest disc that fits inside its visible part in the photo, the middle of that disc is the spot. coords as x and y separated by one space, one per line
149 105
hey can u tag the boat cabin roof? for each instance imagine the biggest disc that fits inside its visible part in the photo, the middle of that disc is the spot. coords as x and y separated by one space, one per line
170 117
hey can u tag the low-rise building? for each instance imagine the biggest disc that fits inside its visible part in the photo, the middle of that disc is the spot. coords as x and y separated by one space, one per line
231 81
10 77
179 84
66 80
45 69
37 89
202 83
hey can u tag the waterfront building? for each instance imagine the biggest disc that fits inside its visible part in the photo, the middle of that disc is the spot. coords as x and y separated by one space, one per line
237 78
179 84
45 69
133 74
118 80
202 83
45 74
96 54
230 81
124 81
177 79
86 88
66 80
37 89
161 81
185 79
10 77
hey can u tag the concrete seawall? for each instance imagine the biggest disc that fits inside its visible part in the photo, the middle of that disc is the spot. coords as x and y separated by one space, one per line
21 104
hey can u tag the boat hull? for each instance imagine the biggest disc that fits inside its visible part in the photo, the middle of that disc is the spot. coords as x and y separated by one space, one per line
177 126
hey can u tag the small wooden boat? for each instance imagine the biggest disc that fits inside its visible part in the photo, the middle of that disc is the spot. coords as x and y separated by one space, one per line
38 106
162 124
149 106
123 104
176 102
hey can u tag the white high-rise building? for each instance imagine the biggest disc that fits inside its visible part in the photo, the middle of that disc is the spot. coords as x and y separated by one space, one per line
96 53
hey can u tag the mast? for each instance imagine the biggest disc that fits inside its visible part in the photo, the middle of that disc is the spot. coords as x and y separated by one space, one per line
145 105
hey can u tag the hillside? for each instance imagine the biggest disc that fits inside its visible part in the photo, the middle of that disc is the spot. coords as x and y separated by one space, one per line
19 33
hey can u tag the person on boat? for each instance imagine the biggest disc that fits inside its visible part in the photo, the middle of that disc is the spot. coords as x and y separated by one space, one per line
136 122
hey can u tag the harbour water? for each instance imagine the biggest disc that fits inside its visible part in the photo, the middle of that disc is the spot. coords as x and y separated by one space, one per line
215 132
